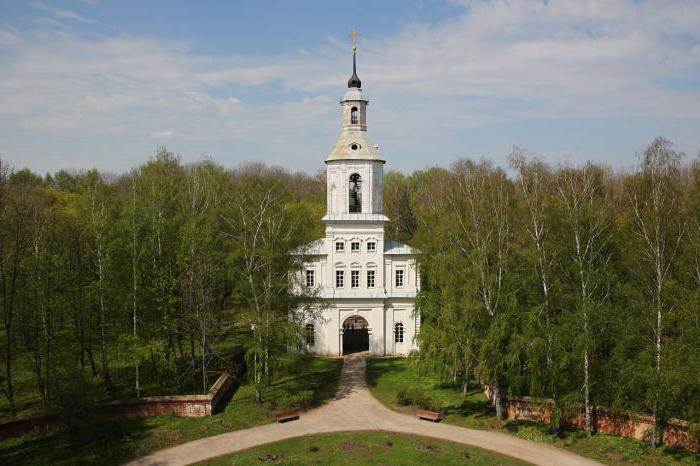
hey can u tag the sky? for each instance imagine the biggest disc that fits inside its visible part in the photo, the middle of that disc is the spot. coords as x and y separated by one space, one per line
103 84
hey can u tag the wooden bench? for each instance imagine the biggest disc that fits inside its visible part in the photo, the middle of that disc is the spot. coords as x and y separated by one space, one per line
286 415
429 415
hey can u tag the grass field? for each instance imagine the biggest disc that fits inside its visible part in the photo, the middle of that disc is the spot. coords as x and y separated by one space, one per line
364 448
115 441
386 377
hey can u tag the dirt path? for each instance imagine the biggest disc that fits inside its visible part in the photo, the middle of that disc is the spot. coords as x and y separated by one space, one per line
354 408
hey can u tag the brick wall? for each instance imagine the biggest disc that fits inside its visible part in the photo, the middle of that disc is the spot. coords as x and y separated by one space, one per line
676 434
180 405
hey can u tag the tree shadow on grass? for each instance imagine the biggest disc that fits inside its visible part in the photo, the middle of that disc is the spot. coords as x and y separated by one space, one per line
102 442
472 408
382 367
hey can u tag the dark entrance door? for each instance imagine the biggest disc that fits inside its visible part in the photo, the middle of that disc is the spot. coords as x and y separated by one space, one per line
355 335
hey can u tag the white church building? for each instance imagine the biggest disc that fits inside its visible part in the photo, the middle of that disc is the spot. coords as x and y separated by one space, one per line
367 283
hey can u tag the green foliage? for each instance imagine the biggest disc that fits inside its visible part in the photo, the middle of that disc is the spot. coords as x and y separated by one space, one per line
151 273
115 441
302 400
415 396
387 377
544 284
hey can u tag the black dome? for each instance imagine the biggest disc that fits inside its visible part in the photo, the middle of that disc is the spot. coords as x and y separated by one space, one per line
354 81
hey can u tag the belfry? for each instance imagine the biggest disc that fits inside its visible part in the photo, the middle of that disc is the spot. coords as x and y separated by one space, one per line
367 283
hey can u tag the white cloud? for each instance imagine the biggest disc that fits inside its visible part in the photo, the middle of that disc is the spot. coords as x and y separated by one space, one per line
61 14
500 61
166 134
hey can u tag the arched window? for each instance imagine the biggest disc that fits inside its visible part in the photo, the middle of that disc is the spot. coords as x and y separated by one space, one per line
355 201
398 332
310 335
353 116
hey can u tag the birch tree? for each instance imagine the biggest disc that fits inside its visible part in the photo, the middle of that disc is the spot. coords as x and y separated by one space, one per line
98 225
480 202
586 209
535 182
654 202
13 245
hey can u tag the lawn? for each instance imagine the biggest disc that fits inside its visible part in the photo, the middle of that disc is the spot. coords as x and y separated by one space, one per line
115 441
365 448
387 377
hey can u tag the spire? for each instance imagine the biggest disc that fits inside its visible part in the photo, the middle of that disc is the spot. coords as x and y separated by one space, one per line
354 81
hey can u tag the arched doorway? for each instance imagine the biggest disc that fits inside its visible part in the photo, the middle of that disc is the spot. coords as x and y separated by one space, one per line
355 335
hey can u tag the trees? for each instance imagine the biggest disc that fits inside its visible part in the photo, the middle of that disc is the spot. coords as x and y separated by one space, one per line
474 202
265 228
537 189
585 205
13 245
574 283
398 206
659 227
141 271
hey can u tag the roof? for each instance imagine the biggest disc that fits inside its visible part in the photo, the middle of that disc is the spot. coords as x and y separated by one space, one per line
394 247
316 248
354 94
353 144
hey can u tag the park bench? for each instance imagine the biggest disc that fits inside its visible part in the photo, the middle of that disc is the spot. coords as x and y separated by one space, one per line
286 415
429 415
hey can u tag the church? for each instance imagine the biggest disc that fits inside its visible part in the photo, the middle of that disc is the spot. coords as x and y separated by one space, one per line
367 283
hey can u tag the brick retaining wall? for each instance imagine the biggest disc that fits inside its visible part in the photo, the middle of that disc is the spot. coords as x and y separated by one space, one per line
179 405
676 434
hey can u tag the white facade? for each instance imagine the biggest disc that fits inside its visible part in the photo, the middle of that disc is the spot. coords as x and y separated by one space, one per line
367 283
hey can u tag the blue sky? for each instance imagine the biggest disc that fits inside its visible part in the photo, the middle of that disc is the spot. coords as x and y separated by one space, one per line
102 84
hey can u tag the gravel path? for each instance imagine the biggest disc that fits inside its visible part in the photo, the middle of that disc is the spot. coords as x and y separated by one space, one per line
354 408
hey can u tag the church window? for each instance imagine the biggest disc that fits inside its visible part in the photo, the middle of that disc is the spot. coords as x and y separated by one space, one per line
355 246
339 278
355 191
339 246
310 278
310 335
354 146
399 278
398 332
353 116
371 246
370 279
355 278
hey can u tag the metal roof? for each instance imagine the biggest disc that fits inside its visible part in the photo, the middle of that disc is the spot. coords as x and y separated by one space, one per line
394 247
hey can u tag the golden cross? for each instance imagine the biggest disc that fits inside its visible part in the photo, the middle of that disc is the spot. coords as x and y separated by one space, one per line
354 35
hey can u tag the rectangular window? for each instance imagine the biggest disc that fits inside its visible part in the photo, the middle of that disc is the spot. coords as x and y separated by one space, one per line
398 333
355 246
399 278
310 278
339 246
371 246
339 278
355 278
370 279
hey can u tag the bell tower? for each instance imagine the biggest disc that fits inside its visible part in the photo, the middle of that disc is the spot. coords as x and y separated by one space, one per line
354 168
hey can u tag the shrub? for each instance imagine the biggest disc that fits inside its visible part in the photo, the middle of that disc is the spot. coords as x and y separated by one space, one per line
532 433
402 397
302 400
415 396
422 399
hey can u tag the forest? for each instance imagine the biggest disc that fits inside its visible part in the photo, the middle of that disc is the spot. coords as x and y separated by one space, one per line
577 283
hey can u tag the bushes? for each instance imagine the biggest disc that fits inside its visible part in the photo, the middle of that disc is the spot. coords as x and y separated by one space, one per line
416 396
301 400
